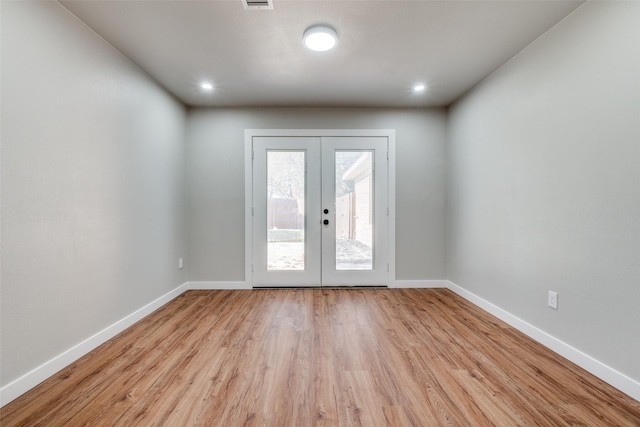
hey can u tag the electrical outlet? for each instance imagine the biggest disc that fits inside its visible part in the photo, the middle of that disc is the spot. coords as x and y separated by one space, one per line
180 263
552 300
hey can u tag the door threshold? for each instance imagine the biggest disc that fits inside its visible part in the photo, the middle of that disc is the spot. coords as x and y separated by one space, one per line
324 287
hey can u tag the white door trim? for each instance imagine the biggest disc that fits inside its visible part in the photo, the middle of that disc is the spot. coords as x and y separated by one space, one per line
249 134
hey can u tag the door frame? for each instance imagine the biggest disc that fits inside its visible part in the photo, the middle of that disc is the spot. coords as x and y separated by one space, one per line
249 134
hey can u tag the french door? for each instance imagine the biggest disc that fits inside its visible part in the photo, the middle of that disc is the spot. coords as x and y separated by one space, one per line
320 211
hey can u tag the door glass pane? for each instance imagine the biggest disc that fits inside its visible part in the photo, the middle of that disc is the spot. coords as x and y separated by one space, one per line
354 210
285 210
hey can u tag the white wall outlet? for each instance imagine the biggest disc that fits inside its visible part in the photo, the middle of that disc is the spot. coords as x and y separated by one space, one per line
180 263
552 300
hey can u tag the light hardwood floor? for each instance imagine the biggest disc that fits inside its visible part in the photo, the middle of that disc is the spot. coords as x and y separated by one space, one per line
321 357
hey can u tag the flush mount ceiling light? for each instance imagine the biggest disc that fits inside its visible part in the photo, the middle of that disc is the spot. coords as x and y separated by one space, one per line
206 86
320 38
420 87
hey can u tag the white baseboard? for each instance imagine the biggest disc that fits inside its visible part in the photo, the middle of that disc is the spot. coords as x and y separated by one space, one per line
29 380
419 284
246 285
218 285
604 372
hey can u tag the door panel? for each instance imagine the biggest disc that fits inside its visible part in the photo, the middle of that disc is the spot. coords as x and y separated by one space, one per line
286 214
354 190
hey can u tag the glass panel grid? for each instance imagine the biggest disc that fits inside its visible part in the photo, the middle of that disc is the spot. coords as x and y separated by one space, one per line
354 210
285 210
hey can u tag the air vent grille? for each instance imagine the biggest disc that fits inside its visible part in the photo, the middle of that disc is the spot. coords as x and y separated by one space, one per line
257 4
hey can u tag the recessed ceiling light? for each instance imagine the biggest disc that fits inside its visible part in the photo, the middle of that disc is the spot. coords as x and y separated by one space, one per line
419 87
206 86
320 38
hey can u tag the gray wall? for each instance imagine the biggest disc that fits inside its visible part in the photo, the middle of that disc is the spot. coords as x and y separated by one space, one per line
544 184
216 183
93 186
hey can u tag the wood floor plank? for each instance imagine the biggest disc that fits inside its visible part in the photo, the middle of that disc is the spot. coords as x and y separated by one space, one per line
321 357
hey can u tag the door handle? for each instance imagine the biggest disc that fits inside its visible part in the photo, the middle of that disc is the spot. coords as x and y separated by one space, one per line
326 211
325 222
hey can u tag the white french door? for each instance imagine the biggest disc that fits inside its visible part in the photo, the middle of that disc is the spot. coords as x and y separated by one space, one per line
320 211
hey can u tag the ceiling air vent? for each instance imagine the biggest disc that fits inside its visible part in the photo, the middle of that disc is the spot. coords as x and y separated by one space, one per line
257 4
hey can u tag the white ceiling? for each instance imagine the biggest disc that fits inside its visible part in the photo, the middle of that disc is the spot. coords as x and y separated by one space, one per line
256 58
